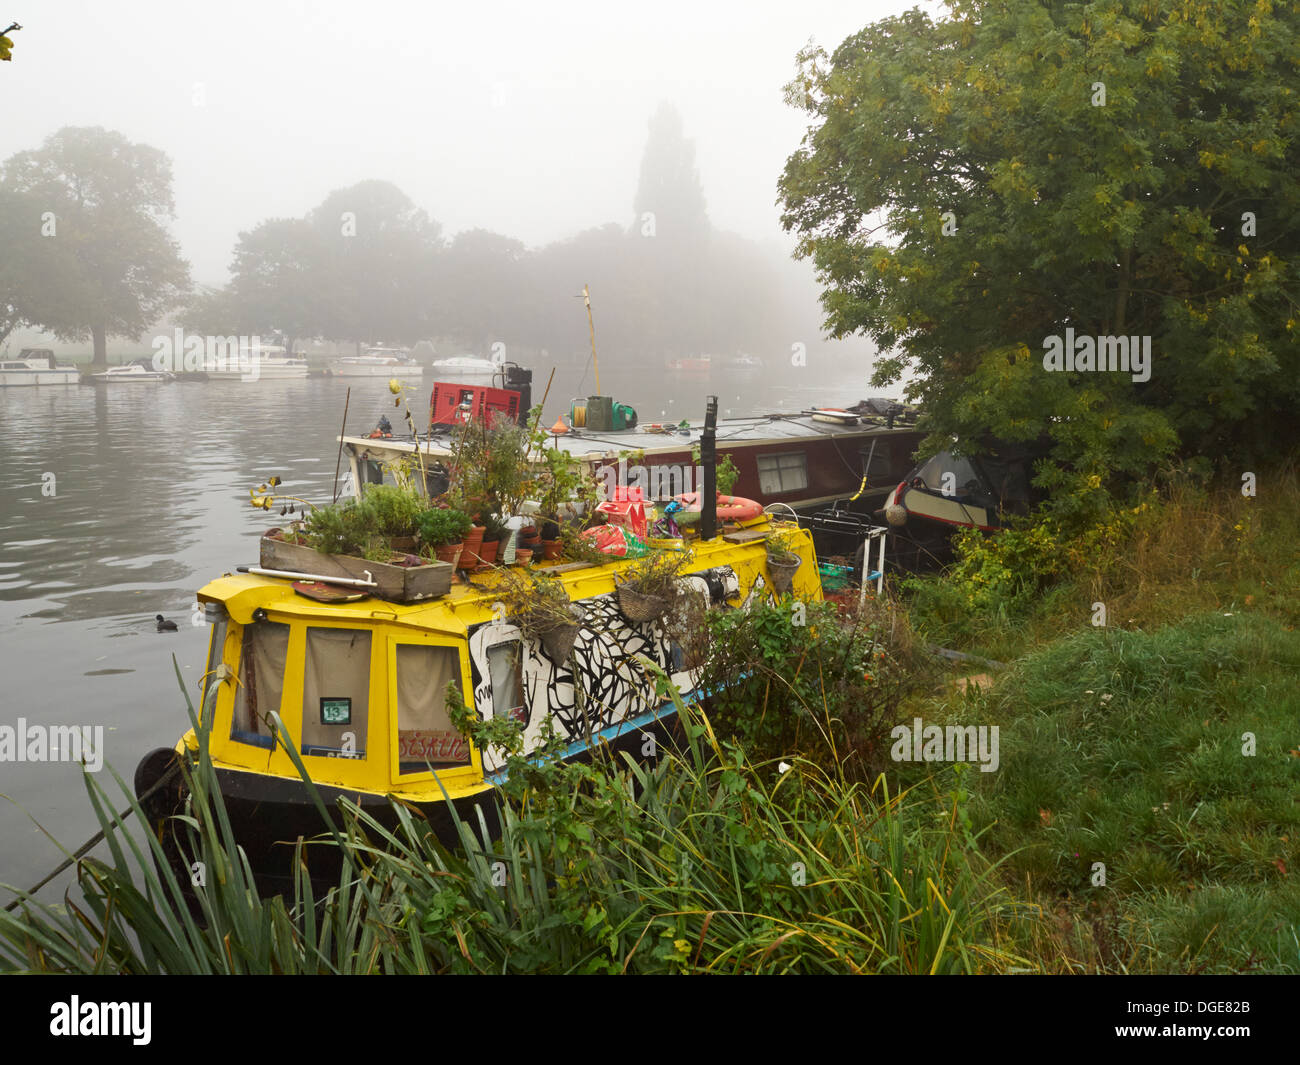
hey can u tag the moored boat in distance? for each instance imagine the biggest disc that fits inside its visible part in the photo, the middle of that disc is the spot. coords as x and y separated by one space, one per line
694 364
268 362
466 370
132 373
379 362
36 366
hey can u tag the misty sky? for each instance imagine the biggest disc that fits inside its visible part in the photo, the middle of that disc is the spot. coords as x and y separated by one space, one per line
524 118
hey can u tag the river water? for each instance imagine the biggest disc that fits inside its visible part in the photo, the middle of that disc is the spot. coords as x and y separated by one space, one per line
117 503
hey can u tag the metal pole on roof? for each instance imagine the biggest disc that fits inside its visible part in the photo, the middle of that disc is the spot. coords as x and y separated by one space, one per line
709 459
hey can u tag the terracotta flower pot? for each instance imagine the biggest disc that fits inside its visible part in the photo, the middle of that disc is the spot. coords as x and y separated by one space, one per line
487 553
551 549
473 541
523 556
449 553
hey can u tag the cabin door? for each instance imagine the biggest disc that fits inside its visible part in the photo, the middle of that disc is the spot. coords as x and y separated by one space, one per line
424 738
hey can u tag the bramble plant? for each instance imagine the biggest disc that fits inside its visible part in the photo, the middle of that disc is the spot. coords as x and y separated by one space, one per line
796 679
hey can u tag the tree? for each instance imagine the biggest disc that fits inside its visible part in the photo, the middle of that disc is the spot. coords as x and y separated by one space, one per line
102 201
277 285
480 290
669 188
377 253
973 187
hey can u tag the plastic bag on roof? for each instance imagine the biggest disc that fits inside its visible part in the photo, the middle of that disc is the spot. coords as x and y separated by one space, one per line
616 540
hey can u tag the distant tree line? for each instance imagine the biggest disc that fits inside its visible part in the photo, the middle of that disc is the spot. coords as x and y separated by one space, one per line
84 218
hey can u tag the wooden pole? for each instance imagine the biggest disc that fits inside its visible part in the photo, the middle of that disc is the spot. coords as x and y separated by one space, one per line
591 326
338 462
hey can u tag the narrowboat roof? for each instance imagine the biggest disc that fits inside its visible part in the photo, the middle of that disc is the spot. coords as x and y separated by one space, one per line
465 604
793 426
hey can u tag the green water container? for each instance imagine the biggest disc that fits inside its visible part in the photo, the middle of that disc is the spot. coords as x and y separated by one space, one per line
600 413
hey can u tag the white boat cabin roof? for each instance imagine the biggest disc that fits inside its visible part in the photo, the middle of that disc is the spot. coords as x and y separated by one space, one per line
757 428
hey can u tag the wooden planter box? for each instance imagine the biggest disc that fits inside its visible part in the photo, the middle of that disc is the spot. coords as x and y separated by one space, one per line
396 584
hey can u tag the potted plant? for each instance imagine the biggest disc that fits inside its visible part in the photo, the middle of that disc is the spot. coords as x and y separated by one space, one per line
782 560
541 609
444 530
361 538
648 588
494 531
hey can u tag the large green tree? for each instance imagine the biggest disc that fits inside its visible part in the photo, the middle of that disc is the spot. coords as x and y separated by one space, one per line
96 206
970 187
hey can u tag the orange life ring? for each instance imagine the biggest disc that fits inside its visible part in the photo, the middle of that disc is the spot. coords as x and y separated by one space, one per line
730 508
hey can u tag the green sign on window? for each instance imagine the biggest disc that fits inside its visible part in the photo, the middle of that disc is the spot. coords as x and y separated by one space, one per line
336 711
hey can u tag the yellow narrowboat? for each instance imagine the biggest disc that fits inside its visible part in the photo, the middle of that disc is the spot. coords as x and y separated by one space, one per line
360 690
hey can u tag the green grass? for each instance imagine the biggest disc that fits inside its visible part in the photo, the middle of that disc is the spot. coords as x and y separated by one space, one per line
704 862
1123 744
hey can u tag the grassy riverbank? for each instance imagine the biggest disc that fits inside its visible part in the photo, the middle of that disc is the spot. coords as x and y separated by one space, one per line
1148 793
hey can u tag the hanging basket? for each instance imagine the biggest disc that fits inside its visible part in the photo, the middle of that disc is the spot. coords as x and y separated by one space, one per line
782 573
558 642
639 607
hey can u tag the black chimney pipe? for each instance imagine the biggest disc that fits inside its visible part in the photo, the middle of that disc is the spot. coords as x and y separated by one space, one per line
709 458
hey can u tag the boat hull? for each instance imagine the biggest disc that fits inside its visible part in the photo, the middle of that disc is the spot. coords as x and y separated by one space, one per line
32 378
396 370
263 373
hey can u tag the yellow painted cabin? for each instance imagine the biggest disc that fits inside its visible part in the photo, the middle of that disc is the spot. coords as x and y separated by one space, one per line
359 687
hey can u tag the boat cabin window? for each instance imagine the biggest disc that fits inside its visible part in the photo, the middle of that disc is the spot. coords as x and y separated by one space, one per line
506 675
262 654
218 641
335 692
371 471
425 735
786 472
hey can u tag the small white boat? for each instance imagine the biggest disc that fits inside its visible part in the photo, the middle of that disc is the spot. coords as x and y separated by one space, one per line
36 366
379 362
270 363
467 370
133 373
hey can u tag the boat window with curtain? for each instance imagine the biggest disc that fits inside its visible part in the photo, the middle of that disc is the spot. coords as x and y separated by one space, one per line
505 672
335 692
263 650
787 472
426 736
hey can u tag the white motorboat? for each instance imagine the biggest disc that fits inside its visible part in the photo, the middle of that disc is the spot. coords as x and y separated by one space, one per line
133 373
467 370
268 363
379 362
36 366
